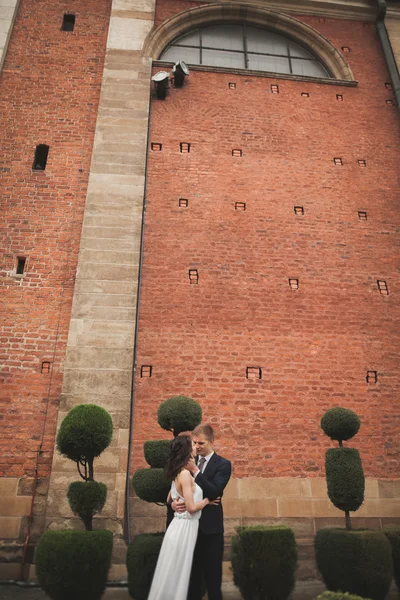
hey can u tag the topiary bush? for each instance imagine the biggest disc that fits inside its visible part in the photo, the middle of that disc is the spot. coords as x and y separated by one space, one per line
74 564
151 485
84 433
343 466
339 596
357 561
178 414
141 561
87 498
345 478
393 535
156 453
340 424
264 561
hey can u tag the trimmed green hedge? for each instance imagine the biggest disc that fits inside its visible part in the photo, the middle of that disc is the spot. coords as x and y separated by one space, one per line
264 561
340 424
178 414
151 485
393 536
85 432
141 561
74 564
157 452
357 561
339 596
345 478
87 498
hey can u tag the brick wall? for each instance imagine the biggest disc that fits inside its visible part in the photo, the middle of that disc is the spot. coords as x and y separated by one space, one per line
49 92
315 344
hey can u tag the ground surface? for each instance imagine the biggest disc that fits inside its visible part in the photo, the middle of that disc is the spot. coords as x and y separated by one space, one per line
305 590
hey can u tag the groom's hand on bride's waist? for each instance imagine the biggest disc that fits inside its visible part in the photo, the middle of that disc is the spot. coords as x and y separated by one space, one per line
178 506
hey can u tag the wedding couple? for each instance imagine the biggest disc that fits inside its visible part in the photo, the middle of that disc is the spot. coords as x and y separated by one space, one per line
193 544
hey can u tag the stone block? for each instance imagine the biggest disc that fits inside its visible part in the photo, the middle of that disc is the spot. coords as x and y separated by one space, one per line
295 507
325 508
257 487
232 489
118 572
9 527
15 506
119 551
147 525
230 525
8 486
371 488
237 508
389 488
140 508
383 507
318 487
97 358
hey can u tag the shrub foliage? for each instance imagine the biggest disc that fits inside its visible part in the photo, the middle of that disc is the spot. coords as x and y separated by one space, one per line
345 478
151 485
156 453
141 560
357 561
343 466
264 561
178 414
340 423
393 536
74 564
84 433
87 498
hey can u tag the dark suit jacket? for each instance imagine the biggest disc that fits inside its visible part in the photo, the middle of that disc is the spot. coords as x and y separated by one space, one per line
213 482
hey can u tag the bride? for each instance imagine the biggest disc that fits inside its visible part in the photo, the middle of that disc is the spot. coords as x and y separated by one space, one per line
172 574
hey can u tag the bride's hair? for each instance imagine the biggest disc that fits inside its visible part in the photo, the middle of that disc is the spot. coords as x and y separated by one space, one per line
181 451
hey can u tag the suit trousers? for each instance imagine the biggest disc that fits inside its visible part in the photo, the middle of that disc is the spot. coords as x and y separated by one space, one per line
207 563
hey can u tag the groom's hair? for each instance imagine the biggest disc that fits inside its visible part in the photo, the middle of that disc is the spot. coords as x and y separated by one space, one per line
205 430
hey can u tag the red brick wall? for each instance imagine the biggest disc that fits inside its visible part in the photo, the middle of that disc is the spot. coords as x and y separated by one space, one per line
316 344
49 93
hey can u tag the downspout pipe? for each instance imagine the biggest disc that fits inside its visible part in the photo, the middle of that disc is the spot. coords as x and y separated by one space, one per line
127 519
387 49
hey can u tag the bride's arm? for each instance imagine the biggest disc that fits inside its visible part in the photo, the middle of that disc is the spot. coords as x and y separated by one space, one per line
186 481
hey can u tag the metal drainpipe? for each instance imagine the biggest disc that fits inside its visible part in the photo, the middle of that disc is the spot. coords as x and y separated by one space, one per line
387 49
127 534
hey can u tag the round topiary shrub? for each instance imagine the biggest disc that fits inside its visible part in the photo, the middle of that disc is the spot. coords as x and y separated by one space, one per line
85 432
339 596
178 414
151 485
357 561
74 564
345 478
156 453
264 561
141 561
340 424
87 498
393 535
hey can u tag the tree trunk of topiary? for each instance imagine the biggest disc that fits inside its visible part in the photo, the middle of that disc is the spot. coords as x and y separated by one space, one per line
91 472
88 522
348 520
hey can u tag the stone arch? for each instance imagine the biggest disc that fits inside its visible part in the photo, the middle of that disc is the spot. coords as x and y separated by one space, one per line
252 14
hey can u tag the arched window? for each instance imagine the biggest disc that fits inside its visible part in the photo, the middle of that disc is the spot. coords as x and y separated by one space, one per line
244 47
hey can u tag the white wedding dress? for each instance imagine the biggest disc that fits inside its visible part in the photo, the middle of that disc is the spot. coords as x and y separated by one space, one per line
172 574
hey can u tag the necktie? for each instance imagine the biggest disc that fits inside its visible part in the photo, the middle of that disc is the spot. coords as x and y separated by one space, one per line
201 464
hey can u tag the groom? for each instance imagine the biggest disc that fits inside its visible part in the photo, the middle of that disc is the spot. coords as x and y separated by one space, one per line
211 472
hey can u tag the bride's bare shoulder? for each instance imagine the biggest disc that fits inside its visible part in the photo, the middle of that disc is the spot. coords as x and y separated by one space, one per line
184 475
